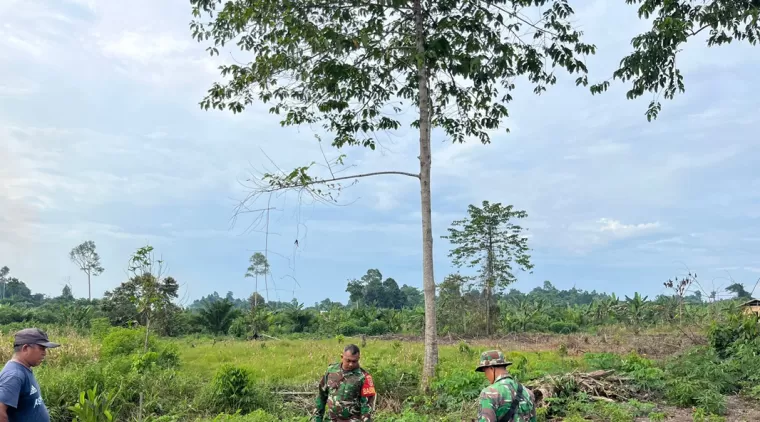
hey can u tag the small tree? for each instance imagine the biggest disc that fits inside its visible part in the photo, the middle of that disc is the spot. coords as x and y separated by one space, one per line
487 239
88 261
148 273
146 293
680 287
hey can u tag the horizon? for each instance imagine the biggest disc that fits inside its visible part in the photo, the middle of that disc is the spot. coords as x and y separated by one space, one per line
104 140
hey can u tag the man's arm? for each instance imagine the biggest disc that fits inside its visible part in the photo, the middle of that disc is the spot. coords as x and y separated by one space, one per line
486 410
10 389
320 402
367 398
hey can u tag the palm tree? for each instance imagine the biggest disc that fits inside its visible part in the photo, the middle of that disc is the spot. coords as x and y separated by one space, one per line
218 316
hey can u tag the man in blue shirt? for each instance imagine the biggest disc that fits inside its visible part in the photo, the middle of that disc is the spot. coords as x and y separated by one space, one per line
20 397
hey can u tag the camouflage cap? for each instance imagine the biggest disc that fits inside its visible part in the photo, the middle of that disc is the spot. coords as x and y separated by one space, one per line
491 358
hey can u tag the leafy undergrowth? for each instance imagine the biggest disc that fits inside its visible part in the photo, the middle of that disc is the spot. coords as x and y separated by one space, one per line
204 380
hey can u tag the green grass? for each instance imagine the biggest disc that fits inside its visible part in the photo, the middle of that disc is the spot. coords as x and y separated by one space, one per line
186 392
302 362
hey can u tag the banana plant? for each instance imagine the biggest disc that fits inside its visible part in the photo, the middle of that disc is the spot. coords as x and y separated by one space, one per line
636 308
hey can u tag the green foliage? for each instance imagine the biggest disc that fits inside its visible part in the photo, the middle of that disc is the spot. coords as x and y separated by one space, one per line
240 327
93 406
561 327
218 316
612 412
100 327
124 341
232 390
471 43
737 328
651 67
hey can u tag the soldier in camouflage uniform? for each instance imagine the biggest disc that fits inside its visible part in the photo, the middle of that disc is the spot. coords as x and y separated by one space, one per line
346 390
505 400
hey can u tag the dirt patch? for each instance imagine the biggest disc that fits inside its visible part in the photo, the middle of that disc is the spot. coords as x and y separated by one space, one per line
738 410
654 346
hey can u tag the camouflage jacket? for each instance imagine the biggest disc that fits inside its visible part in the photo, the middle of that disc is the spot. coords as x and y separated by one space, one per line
496 399
348 396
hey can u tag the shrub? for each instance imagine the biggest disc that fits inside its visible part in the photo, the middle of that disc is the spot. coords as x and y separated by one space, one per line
100 327
377 328
603 360
232 390
723 336
350 328
239 327
125 341
561 327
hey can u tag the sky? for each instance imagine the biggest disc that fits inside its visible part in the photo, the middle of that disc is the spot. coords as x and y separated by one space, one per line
102 138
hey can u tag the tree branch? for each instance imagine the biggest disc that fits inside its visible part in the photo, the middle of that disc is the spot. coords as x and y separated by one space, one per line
355 176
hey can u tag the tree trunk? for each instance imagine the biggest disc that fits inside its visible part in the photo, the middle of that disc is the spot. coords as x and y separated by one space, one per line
488 308
489 281
147 332
428 279
89 288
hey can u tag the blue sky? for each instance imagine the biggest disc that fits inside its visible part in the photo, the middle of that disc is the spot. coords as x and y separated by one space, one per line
101 138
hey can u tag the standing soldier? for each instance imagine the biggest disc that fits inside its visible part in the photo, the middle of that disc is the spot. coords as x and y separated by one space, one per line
505 400
346 390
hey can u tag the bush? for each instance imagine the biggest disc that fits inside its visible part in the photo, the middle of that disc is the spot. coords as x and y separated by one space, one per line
232 390
561 327
738 328
239 327
100 327
603 360
350 328
125 341
377 327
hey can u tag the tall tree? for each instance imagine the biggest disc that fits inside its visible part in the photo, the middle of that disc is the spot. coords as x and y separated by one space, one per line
88 261
488 240
652 66
739 290
259 266
412 296
4 271
66 293
347 63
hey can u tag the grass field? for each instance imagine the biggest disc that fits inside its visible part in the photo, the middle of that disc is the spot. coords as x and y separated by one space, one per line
197 379
302 362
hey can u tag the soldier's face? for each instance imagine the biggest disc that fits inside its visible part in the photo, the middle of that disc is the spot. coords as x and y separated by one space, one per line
350 361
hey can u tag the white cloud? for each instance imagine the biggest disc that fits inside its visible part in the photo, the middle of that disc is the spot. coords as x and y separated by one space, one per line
144 47
621 230
18 88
